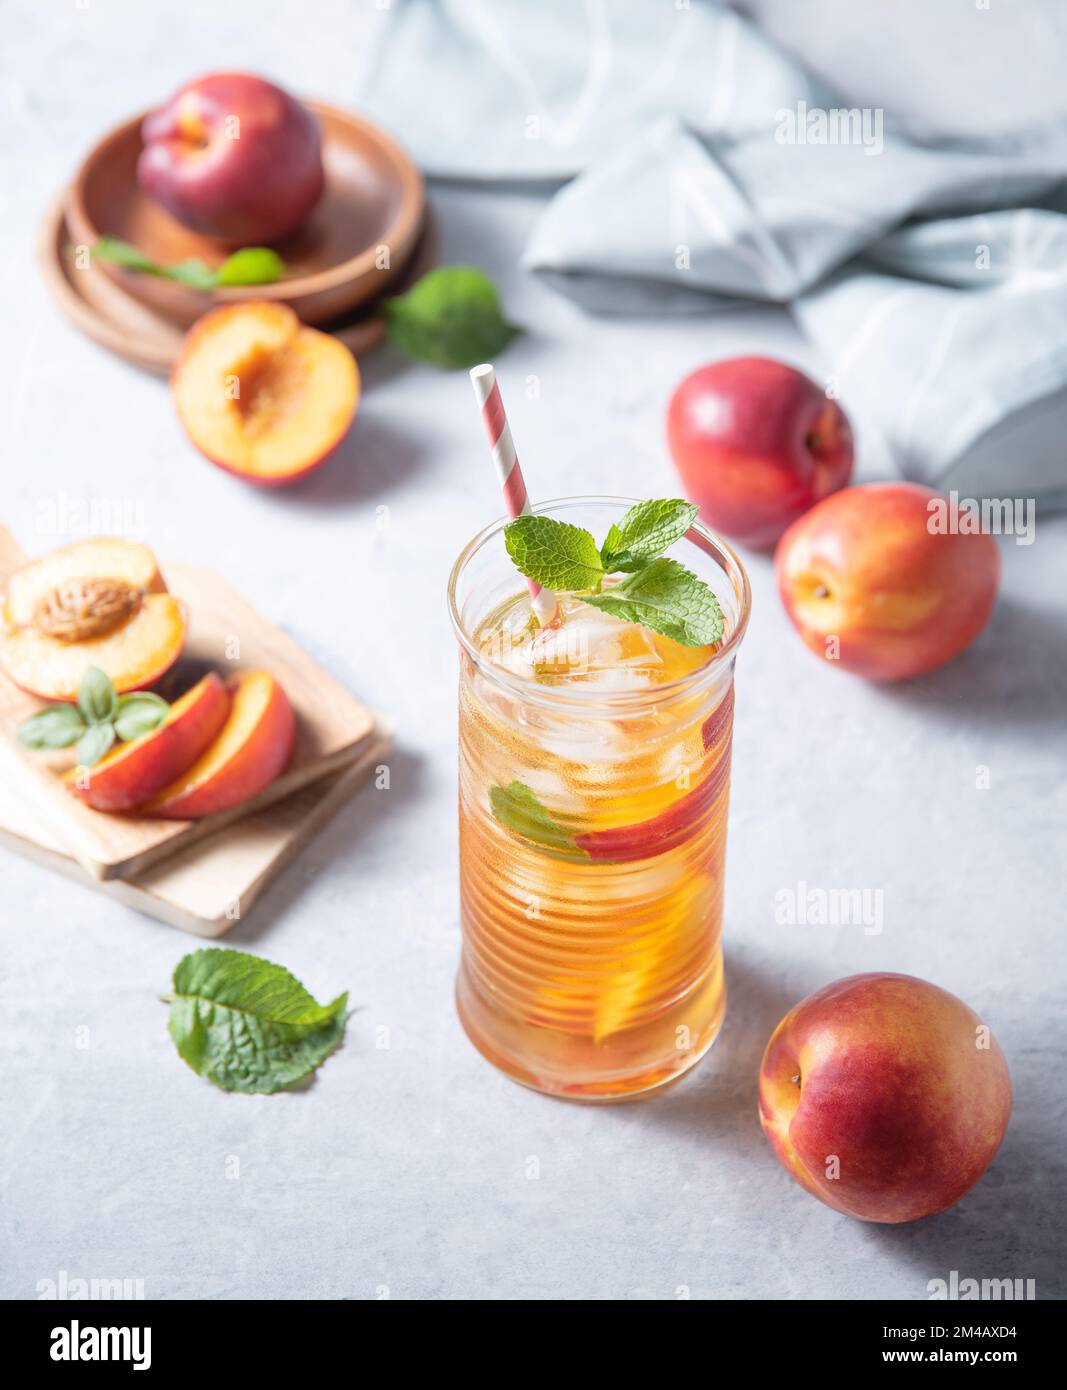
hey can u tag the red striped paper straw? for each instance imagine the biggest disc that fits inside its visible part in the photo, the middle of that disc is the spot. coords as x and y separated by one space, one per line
502 448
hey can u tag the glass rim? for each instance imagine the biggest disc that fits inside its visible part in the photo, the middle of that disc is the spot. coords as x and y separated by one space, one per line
591 699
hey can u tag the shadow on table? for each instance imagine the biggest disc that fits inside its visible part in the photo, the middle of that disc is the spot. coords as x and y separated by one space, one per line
1010 1226
1016 671
716 1105
352 832
372 459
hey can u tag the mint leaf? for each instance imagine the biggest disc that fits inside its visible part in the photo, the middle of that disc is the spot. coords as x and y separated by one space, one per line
553 553
450 317
646 530
667 598
96 696
252 265
94 743
56 727
139 714
198 275
245 1024
118 252
516 806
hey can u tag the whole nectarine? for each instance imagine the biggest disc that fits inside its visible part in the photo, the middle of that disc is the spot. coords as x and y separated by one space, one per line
874 585
234 157
756 443
885 1096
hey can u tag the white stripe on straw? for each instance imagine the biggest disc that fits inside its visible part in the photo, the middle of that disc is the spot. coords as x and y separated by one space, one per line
502 448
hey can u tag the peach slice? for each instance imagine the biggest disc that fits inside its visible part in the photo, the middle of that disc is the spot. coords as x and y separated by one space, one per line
251 749
261 395
113 559
137 770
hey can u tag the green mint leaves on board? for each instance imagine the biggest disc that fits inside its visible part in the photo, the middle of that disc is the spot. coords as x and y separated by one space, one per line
245 1024
451 317
99 718
252 265
656 592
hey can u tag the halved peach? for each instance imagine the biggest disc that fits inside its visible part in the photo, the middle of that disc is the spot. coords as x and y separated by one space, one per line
95 603
261 395
135 771
251 749
92 559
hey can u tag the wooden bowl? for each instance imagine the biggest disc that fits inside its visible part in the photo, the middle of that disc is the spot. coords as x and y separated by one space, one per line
103 311
374 197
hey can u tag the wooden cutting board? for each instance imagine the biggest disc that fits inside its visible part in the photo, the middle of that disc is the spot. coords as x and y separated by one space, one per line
209 887
331 724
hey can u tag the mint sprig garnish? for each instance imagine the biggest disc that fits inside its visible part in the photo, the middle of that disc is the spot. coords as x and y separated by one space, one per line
451 317
96 722
251 265
556 554
657 592
647 530
248 1025
666 597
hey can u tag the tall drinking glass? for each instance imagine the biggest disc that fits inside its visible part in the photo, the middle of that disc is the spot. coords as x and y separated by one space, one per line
594 777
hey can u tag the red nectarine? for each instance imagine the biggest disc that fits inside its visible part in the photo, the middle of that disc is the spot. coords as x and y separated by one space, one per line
873 585
885 1096
756 443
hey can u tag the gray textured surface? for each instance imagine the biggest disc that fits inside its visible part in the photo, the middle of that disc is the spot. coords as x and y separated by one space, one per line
406 1167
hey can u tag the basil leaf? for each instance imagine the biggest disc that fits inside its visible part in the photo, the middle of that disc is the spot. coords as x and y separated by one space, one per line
451 317
245 1024
139 714
252 265
668 598
94 743
96 696
56 727
553 553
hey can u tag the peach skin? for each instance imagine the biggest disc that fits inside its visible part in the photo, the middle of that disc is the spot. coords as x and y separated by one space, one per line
135 771
756 443
233 156
873 589
251 749
884 1096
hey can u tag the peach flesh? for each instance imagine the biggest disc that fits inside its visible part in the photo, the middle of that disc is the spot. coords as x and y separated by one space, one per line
262 396
137 770
249 752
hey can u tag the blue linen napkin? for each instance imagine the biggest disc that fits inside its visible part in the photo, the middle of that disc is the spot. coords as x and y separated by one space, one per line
707 168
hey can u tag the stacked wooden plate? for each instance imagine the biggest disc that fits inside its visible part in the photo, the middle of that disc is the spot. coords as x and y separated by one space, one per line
368 235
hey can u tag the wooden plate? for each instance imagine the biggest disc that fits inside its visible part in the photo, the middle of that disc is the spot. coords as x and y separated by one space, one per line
374 198
110 316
